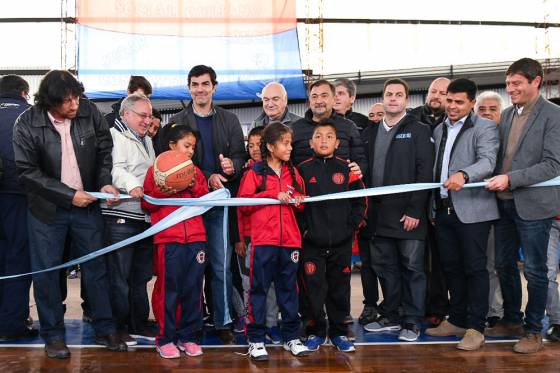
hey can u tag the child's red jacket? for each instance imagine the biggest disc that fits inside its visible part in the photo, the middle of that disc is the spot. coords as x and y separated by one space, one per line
188 231
274 225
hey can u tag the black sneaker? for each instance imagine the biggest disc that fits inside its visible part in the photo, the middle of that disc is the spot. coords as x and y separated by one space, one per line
369 314
25 333
553 333
382 324
492 321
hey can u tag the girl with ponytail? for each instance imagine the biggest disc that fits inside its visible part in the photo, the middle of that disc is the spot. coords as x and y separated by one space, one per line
276 239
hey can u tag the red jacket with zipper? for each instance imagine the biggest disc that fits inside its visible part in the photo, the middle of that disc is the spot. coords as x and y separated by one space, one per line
187 231
274 225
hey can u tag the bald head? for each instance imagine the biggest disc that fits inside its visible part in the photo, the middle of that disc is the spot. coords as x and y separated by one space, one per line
376 112
275 100
437 94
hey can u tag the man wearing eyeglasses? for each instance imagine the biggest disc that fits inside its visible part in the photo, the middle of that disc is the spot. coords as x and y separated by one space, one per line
130 268
137 84
275 106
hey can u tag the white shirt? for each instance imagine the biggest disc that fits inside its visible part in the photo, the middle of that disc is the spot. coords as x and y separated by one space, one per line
452 132
388 128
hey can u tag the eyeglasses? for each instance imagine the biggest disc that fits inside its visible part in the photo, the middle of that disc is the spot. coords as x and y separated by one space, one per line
143 116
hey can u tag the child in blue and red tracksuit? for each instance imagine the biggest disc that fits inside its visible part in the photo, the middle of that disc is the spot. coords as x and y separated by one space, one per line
275 238
180 260
243 248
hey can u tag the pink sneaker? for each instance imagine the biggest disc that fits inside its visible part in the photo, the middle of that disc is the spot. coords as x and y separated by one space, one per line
190 348
168 351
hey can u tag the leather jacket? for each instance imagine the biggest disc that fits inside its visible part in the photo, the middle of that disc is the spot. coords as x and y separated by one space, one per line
38 153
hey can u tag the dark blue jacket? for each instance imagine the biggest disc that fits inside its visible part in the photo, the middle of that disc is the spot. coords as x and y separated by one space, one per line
11 106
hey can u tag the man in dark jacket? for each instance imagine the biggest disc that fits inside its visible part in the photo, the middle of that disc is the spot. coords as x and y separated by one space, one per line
321 101
432 112
220 154
400 152
14 246
137 84
275 106
345 95
62 149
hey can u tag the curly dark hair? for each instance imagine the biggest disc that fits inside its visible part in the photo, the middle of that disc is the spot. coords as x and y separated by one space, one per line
55 87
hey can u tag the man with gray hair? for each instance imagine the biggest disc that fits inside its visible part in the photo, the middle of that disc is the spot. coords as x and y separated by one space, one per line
489 105
275 106
345 95
130 268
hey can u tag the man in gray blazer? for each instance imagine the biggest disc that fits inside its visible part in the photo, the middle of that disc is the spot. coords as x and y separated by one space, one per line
466 151
529 153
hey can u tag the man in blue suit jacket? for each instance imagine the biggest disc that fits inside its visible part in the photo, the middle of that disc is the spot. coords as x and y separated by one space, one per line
14 248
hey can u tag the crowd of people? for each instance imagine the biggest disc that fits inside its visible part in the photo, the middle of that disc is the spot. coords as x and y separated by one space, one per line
448 256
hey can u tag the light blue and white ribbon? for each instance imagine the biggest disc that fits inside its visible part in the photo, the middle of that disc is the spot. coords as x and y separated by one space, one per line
191 207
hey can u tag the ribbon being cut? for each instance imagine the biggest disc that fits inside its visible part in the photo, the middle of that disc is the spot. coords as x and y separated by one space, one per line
191 207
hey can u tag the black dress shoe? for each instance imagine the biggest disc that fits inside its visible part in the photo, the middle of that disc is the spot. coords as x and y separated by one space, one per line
226 336
112 341
57 349
24 334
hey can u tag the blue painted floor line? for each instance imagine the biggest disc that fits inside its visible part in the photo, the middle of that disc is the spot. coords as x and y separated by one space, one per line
80 334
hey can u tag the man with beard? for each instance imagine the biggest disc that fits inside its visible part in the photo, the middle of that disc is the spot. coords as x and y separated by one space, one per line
432 113
376 112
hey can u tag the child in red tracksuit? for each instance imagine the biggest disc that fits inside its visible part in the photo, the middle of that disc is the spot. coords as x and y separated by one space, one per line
275 238
180 259
243 248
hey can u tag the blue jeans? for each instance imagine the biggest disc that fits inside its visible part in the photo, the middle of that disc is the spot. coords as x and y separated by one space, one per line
552 301
130 269
511 233
399 265
46 243
220 263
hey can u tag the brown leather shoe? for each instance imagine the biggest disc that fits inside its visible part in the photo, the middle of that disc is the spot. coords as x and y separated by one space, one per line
445 329
505 329
529 343
112 341
473 340
57 349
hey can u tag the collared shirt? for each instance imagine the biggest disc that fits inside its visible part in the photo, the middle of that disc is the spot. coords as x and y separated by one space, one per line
137 135
69 170
387 127
452 132
210 113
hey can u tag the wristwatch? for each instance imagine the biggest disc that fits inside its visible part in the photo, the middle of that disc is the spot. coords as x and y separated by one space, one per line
465 176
